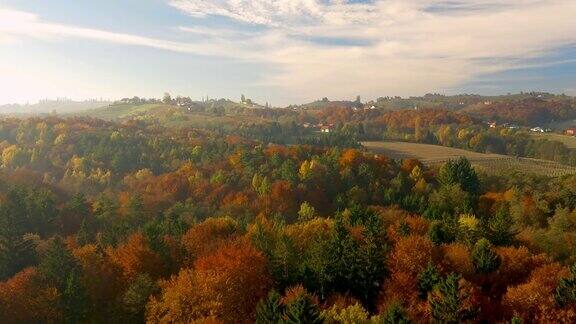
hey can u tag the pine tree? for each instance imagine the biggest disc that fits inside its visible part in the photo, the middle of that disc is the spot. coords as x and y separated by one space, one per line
484 259
460 172
501 227
84 236
16 254
373 260
269 310
302 311
58 264
566 290
135 211
441 232
395 314
516 320
343 255
427 280
447 301
74 299
137 295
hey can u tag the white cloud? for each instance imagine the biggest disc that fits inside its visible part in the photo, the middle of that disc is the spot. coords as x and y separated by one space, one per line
412 46
15 23
335 48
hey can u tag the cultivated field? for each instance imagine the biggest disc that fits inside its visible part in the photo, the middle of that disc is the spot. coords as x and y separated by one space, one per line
432 155
569 141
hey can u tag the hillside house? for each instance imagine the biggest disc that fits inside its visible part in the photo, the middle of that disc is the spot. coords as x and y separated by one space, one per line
570 132
537 130
326 128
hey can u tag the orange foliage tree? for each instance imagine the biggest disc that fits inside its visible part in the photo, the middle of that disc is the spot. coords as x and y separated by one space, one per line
226 285
25 299
135 257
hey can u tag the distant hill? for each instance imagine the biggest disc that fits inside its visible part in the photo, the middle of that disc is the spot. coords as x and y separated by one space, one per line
49 106
122 110
523 109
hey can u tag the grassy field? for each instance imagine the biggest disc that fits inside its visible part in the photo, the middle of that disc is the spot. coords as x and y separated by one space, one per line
433 155
569 141
121 111
170 116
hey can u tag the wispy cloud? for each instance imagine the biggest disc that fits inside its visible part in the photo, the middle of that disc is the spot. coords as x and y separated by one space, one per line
399 47
14 23
396 47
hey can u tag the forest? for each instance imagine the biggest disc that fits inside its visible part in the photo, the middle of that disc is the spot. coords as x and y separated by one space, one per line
132 221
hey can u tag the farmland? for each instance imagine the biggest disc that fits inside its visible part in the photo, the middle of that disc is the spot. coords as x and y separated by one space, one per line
569 141
433 155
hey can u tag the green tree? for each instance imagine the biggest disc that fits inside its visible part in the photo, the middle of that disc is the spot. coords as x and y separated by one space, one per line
178 218
460 172
501 227
58 264
306 212
484 259
74 299
427 280
270 309
395 314
135 211
566 290
16 254
288 171
264 187
441 232
84 235
136 296
343 255
302 311
167 99
41 211
447 302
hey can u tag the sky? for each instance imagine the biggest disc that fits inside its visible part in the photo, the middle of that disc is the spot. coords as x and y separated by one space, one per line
284 51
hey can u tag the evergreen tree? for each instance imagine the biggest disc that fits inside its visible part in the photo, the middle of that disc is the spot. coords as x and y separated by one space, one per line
270 309
566 290
135 211
484 259
177 219
13 215
74 299
373 253
302 311
460 172
427 280
447 302
501 227
395 314
41 212
137 295
84 236
58 264
516 320
343 255
441 232
16 254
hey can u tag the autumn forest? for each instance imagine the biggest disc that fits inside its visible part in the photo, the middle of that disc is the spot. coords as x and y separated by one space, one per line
182 211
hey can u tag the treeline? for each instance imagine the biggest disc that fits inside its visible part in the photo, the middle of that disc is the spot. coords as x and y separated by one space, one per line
480 138
530 111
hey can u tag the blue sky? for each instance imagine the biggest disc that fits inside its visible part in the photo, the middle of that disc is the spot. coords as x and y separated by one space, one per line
284 51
